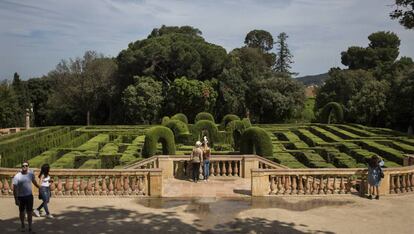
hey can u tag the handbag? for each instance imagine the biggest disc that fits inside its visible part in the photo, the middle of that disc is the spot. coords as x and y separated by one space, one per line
381 173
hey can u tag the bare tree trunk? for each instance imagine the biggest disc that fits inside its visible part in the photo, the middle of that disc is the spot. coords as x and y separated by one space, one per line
88 118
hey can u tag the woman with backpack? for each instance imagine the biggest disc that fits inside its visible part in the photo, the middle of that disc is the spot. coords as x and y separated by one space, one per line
374 175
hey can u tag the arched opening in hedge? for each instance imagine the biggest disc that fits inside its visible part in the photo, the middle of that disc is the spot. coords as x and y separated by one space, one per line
227 119
157 134
180 116
255 140
180 130
332 110
236 129
208 128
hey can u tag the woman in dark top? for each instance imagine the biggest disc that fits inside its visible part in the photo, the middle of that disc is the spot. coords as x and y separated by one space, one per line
374 175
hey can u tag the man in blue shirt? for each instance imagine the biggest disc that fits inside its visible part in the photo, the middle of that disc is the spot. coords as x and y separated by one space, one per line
22 191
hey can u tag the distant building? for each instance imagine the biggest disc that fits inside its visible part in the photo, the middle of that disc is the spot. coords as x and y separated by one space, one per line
310 91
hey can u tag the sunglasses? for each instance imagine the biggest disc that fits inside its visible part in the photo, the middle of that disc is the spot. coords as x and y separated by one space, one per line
25 165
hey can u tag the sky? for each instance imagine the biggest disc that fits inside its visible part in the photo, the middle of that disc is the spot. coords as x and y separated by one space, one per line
35 35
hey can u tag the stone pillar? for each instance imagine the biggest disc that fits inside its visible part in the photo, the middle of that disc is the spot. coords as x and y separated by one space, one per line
408 160
155 183
27 118
260 184
384 187
167 166
249 162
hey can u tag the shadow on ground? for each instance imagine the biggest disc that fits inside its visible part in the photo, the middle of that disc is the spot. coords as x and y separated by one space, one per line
108 219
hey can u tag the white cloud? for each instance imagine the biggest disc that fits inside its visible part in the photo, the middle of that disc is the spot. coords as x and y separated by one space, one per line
35 35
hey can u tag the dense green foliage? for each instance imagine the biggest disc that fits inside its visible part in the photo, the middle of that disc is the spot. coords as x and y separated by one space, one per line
204 116
180 117
155 135
236 129
332 109
227 119
255 140
404 13
179 129
206 128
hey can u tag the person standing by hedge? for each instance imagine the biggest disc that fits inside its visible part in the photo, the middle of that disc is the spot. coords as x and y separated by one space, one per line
206 159
23 196
196 158
374 175
44 191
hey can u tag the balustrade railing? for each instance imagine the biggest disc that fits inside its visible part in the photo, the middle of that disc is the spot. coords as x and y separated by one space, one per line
401 180
105 182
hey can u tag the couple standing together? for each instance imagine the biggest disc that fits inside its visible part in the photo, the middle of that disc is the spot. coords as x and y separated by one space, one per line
200 156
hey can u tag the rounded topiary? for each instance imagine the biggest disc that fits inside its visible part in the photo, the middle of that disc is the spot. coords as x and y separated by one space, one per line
179 129
255 140
209 127
332 108
165 120
181 117
227 119
204 116
236 129
155 135
246 122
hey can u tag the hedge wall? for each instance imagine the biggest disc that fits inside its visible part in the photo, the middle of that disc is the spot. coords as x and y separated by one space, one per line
227 119
236 129
210 127
246 122
180 130
337 111
165 120
255 140
204 116
155 135
181 117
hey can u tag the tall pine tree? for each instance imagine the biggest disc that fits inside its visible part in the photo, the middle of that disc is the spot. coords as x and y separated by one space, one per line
284 58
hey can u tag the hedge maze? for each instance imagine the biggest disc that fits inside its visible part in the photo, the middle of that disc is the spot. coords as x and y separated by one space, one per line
296 146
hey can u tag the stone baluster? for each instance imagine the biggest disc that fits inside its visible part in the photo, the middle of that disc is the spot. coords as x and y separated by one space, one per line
97 190
411 179
272 185
226 167
119 186
397 183
59 187
300 185
334 187
236 168
89 189
219 168
321 186
6 186
1 186
141 185
342 186
75 186
67 186
279 185
306 188
104 187
314 185
127 189
212 171
294 185
392 186
231 164
287 185
111 186
327 188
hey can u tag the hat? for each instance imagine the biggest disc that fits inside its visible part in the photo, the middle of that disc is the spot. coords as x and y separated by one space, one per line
198 143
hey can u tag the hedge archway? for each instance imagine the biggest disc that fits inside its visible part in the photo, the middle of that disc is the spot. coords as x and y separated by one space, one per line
204 116
227 119
206 126
155 135
332 108
180 116
165 120
236 129
255 140
180 130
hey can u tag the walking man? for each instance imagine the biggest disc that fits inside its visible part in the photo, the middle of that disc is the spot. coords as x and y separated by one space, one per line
23 196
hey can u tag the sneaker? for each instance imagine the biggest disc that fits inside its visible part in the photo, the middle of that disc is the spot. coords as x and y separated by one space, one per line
370 197
377 197
50 216
36 213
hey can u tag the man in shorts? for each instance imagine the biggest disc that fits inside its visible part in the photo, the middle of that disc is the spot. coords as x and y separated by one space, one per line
23 196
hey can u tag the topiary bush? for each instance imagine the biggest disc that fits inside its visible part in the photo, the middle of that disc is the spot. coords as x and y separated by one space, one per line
329 109
155 135
236 129
180 130
180 116
227 119
255 140
204 116
165 120
246 122
206 127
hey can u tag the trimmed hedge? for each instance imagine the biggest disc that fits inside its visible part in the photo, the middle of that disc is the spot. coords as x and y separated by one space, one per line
227 119
337 111
246 122
255 140
155 135
179 129
180 116
95 143
91 164
210 127
165 120
110 161
236 129
66 161
204 116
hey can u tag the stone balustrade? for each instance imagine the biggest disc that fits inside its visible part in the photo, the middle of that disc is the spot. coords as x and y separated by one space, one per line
401 180
102 182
